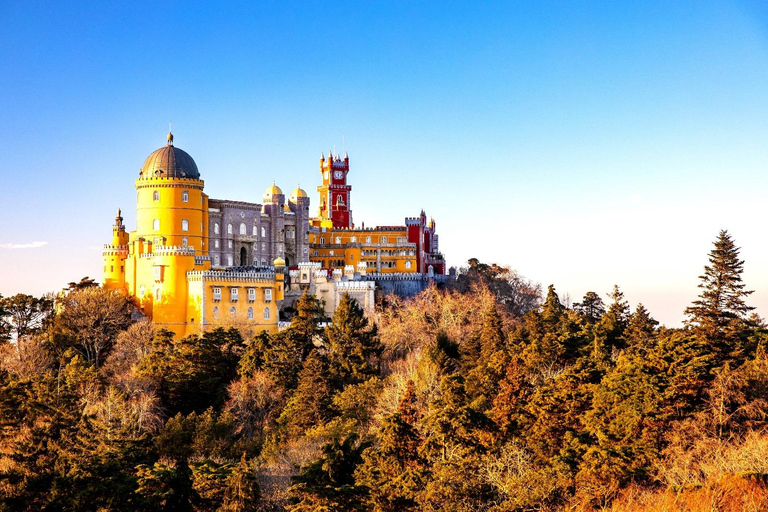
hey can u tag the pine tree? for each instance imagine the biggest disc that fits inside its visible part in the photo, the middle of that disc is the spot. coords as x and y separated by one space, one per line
722 297
591 306
354 347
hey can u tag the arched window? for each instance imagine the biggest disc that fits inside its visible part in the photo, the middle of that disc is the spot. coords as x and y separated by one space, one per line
354 239
367 239
407 264
229 260
184 196
255 232
229 228
184 225
216 260
155 195
232 312
243 229
266 313
216 243
157 294
383 239
263 263
184 242
250 313
215 311
338 240
156 224
263 232
216 228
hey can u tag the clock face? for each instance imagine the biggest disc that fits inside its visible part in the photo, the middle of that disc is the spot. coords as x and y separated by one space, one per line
338 175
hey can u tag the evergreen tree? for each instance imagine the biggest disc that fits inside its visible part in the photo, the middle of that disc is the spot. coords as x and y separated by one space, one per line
309 313
353 343
310 405
722 298
591 306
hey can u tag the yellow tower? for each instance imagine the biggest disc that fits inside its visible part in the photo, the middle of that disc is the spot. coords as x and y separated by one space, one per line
115 255
171 228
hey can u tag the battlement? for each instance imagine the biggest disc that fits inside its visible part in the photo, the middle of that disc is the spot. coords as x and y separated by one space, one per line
169 250
262 276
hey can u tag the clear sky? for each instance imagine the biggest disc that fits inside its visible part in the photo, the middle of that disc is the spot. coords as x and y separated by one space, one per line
584 144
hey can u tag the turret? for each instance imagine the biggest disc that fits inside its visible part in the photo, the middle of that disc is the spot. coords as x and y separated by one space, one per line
114 256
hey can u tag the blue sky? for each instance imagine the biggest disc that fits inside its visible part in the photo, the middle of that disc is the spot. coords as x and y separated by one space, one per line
583 145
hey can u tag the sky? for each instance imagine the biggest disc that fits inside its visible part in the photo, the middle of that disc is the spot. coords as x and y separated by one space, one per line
584 144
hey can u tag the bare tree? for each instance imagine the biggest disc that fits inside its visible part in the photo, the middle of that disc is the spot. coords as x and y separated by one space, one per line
92 318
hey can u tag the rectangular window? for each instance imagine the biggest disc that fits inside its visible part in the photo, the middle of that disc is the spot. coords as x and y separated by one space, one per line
158 273
216 293
233 294
184 225
184 196
268 295
251 294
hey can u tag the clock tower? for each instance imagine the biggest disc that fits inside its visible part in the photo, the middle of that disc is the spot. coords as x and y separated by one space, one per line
334 192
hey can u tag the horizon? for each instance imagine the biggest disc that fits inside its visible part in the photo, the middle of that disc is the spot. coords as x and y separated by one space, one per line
583 146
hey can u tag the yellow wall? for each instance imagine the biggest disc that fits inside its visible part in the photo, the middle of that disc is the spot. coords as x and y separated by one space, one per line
351 246
170 210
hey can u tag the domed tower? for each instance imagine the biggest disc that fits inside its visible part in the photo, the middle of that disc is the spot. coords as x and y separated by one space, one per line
274 207
170 204
171 229
297 247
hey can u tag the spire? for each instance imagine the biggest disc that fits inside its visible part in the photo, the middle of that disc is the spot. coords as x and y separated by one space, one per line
170 134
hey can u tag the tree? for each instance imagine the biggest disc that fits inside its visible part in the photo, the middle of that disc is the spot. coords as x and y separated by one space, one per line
591 306
353 343
513 292
91 318
25 314
722 297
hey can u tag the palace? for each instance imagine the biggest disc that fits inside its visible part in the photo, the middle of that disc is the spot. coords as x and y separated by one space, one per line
194 262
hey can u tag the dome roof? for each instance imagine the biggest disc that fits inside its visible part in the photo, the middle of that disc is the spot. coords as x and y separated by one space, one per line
297 193
279 262
272 190
169 162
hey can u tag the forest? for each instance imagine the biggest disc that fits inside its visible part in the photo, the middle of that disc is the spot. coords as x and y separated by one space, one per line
489 394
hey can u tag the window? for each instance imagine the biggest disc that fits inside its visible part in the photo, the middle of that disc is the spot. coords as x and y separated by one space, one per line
267 295
156 224
338 240
322 239
263 246
184 196
251 294
155 195
232 311
216 228
142 291
279 247
354 239
184 225
383 239
233 294
215 311
263 232
250 313
216 260
243 229
157 294
229 244
158 273
407 264
255 232
229 260
266 313
229 229
216 243
216 293
367 239
263 263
